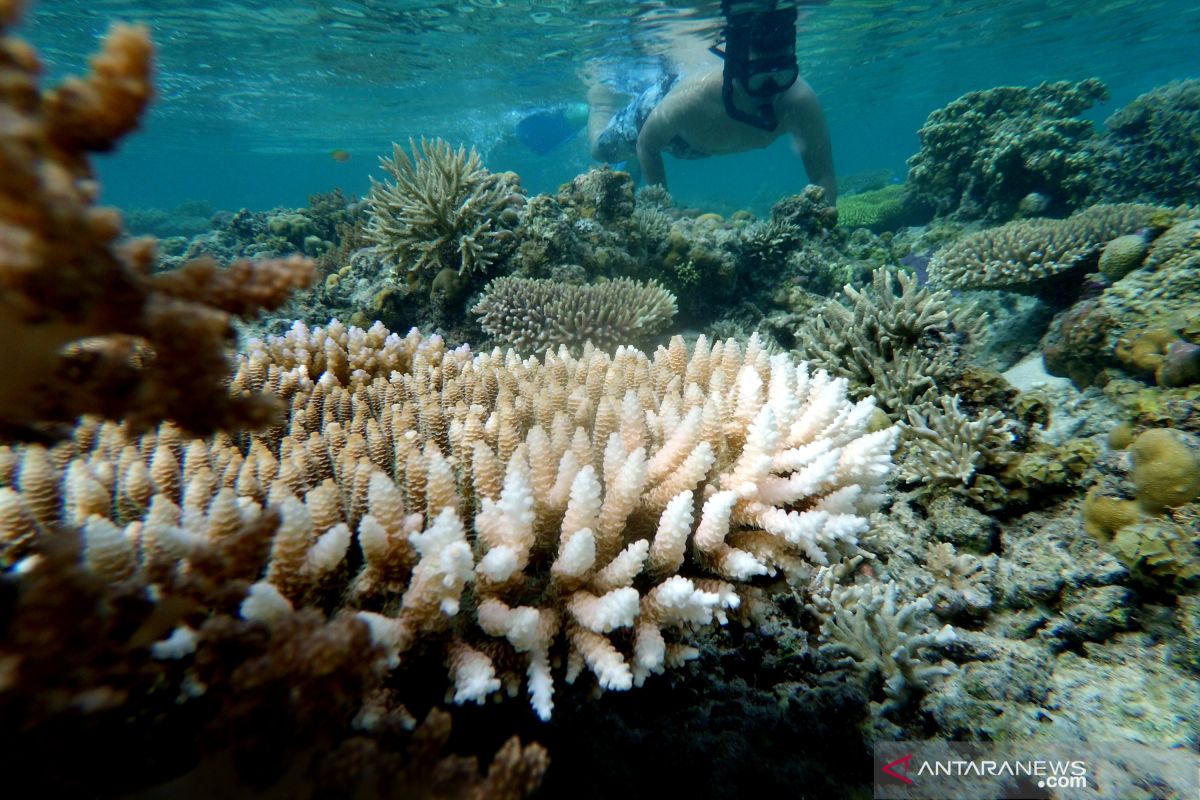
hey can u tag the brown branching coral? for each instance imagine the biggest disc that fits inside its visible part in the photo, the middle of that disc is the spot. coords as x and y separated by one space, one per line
534 316
92 662
444 210
945 447
86 327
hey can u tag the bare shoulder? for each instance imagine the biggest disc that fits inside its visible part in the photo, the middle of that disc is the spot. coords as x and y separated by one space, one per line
801 97
799 107
692 97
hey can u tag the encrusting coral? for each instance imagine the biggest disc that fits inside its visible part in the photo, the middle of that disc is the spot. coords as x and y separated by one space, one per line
1156 157
444 210
534 316
86 327
1023 255
984 152
483 510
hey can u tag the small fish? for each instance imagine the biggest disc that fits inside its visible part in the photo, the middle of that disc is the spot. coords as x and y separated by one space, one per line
340 155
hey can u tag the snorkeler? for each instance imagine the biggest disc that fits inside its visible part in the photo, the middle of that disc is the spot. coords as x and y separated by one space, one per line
747 103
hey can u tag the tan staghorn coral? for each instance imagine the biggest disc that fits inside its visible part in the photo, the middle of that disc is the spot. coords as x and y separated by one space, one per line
86 327
894 340
444 210
1023 255
482 509
534 316
865 629
946 447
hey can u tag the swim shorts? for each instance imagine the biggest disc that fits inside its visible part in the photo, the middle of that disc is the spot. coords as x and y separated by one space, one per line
618 141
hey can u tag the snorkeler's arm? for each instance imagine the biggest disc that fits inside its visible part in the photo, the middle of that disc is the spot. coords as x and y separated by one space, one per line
811 136
652 140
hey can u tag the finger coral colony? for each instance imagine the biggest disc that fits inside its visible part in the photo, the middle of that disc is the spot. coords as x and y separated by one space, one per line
249 549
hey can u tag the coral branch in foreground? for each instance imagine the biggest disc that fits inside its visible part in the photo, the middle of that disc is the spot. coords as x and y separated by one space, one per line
85 326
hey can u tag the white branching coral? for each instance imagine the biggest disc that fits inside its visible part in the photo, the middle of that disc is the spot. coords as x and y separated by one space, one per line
444 210
490 509
864 629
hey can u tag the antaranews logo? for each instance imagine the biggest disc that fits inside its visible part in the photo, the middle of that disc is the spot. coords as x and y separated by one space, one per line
956 770
902 763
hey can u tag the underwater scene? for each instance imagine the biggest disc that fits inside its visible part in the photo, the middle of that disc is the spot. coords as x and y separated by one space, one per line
587 399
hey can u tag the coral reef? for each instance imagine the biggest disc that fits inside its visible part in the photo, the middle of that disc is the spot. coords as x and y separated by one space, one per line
442 209
159 672
1155 156
1027 255
1160 353
1144 324
535 316
895 340
595 225
945 447
1180 242
1122 256
86 327
985 152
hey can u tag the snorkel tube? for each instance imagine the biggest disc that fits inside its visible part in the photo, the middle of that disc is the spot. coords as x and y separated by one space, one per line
760 53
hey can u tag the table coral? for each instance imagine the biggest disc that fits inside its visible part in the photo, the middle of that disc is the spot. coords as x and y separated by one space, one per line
535 316
86 327
1025 255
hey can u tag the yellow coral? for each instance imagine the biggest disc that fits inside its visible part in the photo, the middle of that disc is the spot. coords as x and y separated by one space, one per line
1160 550
1123 255
1104 516
1165 471
1143 353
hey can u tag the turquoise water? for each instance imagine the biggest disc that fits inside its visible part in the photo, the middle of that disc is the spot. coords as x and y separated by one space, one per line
253 96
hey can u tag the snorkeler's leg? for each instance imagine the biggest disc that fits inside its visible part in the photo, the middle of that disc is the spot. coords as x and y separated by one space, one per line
603 104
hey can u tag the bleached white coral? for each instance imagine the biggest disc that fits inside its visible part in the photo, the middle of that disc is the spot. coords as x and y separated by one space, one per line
504 508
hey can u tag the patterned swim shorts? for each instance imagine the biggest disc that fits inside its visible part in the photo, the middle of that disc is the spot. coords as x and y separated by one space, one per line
618 140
